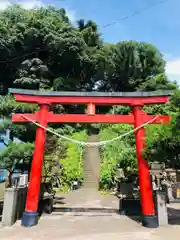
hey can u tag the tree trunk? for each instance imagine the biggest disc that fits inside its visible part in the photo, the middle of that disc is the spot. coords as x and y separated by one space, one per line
10 178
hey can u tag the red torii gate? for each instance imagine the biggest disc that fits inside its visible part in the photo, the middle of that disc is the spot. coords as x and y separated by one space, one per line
134 99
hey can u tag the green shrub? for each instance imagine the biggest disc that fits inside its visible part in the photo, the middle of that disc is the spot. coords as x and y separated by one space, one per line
73 164
119 151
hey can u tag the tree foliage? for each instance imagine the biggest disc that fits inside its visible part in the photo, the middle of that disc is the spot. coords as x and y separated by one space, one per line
120 151
33 75
16 155
164 143
73 161
40 49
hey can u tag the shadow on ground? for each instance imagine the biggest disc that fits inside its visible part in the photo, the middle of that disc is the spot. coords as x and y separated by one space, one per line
43 204
85 210
59 200
60 209
173 216
95 212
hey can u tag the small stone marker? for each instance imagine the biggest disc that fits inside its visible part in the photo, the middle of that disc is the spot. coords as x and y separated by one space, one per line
9 207
161 208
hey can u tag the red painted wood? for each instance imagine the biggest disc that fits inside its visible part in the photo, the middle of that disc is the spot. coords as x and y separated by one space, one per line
147 203
17 117
83 118
35 176
95 100
91 109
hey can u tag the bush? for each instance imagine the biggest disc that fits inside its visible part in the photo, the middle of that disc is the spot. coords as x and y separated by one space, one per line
73 164
119 151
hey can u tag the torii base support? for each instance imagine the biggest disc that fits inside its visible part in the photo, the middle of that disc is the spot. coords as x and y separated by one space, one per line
150 221
29 219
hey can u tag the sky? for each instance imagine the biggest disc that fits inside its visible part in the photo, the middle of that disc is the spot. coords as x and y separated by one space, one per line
153 21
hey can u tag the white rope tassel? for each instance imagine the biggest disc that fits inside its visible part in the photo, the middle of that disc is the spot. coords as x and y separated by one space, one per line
101 143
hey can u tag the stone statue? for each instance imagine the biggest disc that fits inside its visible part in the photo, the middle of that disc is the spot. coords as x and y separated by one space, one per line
129 188
119 173
167 187
154 182
119 177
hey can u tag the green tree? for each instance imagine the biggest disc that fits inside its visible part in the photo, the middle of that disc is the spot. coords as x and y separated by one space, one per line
40 49
32 74
163 145
132 64
14 155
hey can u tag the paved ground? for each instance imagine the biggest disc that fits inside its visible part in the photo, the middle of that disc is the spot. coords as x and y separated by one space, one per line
86 215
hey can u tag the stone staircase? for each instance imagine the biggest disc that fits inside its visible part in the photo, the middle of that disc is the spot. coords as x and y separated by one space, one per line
87 201
91 165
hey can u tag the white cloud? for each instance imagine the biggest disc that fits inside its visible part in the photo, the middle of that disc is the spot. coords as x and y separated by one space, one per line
173 69
27 4
30 4
4 4
71 15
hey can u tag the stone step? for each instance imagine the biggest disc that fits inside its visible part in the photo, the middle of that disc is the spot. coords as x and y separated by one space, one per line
90 182
91 179
91 176
91 165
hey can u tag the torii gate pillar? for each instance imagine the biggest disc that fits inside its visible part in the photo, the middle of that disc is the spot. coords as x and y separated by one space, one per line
30 216
43 117
149 218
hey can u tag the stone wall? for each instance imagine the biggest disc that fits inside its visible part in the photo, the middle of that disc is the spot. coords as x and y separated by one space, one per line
2 189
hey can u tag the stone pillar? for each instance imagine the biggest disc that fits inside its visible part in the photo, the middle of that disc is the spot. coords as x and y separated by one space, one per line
9 207
161 208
